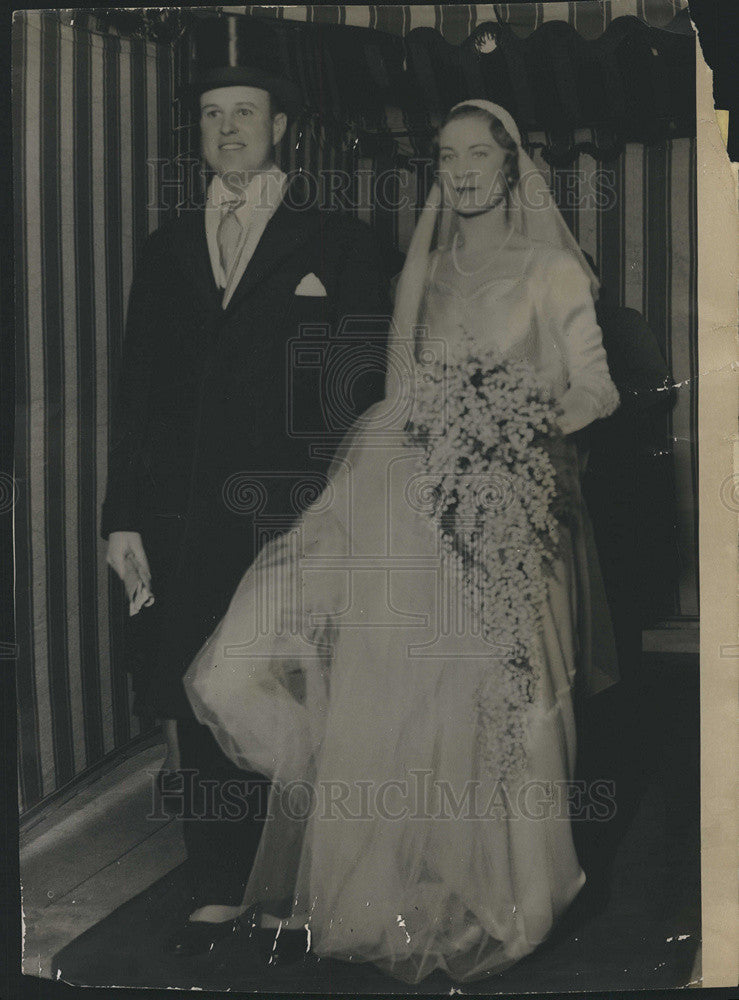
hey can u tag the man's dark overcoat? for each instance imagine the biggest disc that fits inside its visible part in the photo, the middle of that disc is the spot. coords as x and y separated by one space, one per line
218 411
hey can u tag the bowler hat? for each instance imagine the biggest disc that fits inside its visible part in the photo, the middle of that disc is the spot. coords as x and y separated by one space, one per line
239 50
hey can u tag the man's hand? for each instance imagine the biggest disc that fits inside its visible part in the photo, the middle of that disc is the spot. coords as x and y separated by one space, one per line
122 544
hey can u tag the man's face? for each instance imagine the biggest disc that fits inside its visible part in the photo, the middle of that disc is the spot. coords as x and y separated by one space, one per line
238 132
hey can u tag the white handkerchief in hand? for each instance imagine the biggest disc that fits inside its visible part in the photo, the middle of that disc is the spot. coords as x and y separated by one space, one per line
137 591
142 598
310 285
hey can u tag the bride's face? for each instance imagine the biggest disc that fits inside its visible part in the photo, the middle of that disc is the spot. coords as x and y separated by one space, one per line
470 166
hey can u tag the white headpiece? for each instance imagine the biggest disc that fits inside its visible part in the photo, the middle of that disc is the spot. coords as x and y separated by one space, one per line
503 116
533 213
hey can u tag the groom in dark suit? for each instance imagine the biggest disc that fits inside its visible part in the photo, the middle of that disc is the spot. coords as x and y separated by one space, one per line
255 334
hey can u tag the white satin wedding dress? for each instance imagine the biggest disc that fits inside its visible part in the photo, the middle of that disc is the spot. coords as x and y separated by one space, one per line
347 666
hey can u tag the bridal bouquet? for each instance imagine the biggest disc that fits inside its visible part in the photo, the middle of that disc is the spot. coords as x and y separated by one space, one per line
495 464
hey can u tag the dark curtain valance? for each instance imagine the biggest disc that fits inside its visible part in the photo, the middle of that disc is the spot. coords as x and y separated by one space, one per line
569 89
457 21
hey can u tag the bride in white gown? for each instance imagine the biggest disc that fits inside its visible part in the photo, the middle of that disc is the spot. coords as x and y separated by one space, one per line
418 814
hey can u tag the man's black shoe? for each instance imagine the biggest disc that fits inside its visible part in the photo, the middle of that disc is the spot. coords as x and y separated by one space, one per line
198 937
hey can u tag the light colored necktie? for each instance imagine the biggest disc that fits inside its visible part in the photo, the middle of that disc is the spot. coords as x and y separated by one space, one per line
229 236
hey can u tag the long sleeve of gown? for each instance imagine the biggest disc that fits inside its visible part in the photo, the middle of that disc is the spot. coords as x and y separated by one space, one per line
567 313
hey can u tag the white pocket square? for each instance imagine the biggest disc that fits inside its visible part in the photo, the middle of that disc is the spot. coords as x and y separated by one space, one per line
310 285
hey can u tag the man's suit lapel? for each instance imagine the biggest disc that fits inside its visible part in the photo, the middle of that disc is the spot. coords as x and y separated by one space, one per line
288 228
196 258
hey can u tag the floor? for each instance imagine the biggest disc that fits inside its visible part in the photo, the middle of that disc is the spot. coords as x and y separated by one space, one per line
66 890
643 935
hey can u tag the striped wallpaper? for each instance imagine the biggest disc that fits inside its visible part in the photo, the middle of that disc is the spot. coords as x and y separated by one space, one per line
85 201
89 111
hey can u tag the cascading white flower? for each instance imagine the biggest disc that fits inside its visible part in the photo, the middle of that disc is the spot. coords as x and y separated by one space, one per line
487 434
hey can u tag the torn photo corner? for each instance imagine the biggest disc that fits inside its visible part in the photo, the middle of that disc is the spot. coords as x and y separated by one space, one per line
428 441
